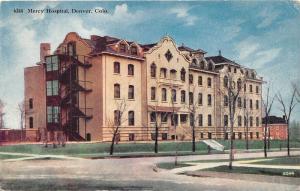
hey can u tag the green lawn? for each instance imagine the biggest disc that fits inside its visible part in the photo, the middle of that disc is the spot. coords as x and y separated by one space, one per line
254 170
3 156
293 160
82 149
169 165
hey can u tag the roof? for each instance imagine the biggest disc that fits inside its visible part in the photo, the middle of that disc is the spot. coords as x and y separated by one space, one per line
274 120
220 59
185 48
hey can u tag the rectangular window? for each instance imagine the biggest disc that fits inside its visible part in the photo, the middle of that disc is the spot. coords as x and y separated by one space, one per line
30 122
52 88
131 136
30 103
209 121
53 114
152 117
191 98
183 118
153 93
164 117
200 120
51 63
200 99
225 120
257 104
131 92
209 100
174 118
201 135
164 136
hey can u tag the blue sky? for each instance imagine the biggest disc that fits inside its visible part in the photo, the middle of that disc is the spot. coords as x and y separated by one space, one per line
260 35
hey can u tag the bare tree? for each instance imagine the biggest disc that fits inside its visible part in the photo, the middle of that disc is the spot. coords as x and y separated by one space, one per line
2 113
173 118
267 106
116 124
21 108
287 111
231 91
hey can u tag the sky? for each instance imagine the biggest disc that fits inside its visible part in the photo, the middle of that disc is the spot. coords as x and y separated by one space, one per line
259 35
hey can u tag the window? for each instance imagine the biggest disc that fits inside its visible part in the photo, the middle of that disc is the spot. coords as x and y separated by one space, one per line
245 87
30 103
182 74
152 117
174 118
52 63
117 91
173 95
131 136
117 67
257 135
201 135
183 118
200 99
182 96
88 137
251 135
52 88
191 98
240 135
239 102
245 121
225 120
229 68
131 92
153 93
257 121
225 100
202 64
210 67
163 73
194 61
251 106
153 70
173 74
245 103
225 82
164 136
209 100
200 120
199 80
191 79
131 118
226 136
233 135
257 89
239 84
53 114
209 82
130 69
251 121
164 117
153 136
133 50
250 87
122 47
117 118
257 104
30 122
234 70
239 120
209 135
71 49
209 121
163 94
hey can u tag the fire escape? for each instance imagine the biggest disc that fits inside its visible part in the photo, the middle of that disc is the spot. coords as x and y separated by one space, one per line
73 92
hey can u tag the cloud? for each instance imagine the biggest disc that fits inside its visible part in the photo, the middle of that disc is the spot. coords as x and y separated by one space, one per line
268 16
264 57
183 14
246 48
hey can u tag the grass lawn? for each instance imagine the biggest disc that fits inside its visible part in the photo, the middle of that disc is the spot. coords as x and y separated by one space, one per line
171 165
293 160
3 156
254 170
82 149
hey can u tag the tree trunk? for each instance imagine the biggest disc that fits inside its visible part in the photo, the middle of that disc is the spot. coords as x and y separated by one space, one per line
265 137
112 144
288 139
156 138
269 135
194 142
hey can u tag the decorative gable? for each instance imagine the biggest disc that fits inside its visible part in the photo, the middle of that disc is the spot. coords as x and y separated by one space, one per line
168 55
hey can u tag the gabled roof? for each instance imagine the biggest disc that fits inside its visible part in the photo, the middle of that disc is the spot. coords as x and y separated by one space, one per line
185 48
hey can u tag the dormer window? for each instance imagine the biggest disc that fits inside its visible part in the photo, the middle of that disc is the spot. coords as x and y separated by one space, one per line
122 47
210 67
133 50
202 64
194 61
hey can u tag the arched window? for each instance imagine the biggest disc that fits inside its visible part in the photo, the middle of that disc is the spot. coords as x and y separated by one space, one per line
209 100
251 121
131 92
30 122
117 67
173 74
163 94
191 98
117 91
182 74
250 87
130 118
251 106
153 70
163 73
239 102
208 82
133 50
153 93
239 84
202 65
117 117
239 120
225 100
210 66
225 81
130 69
122 47
194 61
182 96
173 95
191 79
199 80
253 75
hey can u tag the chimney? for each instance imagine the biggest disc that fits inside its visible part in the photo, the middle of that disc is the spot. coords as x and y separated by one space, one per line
220 53
44 51
283 117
